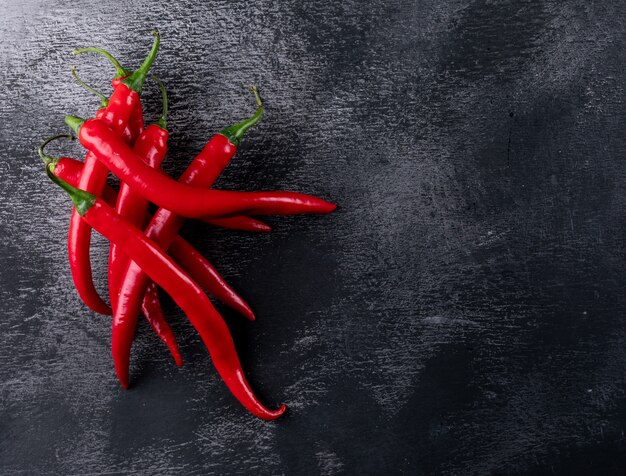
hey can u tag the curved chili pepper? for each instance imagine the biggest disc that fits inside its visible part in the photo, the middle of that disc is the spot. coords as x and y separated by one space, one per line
182 199
70 170
185 292
116 115
203 272
151 308
152 147
164 227
79 241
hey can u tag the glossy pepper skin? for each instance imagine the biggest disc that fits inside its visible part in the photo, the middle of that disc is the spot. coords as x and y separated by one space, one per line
79 234
150 144
116 115
193 202
191 260
185 292
135 123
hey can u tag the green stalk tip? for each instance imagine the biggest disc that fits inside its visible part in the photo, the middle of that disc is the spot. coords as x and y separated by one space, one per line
103 99
257 96
137 78
48 160
75 123
120 71
235 133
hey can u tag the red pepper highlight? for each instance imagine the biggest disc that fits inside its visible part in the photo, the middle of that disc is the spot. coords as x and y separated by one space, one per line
116 115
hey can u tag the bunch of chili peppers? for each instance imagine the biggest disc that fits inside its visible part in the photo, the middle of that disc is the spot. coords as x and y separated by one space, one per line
146 251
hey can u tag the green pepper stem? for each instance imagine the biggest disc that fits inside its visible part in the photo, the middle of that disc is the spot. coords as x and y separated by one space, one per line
162 121
120 71
48 160
103 99
75 123
235 133
137 78
83 201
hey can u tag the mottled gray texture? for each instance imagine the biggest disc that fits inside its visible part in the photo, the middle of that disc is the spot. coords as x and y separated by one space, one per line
461 313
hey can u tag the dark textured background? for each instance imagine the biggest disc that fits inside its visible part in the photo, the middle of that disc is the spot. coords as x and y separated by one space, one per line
461 313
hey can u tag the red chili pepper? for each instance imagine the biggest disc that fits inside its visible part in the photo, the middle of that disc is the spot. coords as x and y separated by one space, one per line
129 134
164 228
242 223
182 199
116 115
70 170
151 308
181 287
152 147
203 272
192 262
131 207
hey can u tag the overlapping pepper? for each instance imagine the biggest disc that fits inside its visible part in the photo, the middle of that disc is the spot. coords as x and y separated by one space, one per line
146 251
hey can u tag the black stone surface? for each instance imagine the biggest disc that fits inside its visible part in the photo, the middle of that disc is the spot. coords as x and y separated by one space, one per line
461 313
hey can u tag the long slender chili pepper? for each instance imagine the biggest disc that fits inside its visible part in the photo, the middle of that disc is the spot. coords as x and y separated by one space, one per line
70 170
116 115
199 268
190 259
152 310
181 287
164 227
182 199
152 147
